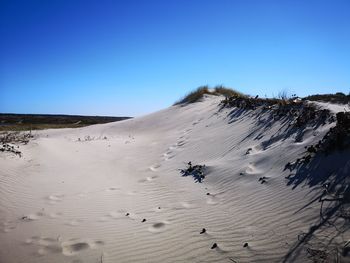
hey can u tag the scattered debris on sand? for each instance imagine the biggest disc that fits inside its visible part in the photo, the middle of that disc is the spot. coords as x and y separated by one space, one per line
10 141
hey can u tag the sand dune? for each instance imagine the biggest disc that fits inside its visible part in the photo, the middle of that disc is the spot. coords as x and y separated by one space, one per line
113 192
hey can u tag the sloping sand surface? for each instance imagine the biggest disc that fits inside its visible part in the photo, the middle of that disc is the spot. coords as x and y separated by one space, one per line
81 195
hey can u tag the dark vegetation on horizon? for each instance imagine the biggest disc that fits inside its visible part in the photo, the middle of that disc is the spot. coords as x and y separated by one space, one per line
20 122
338 97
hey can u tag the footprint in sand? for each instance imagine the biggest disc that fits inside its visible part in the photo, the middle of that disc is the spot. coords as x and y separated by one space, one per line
212 200
68 248
32 216
187 131
154 167
110 189
8 226
74 222
47 241
49 249
181 143
188 205
115 215
173 147
55 215
254 150
132 193
168 155
148 179
142 180
74 246
46 244
55 198
151 178
251 169
158 227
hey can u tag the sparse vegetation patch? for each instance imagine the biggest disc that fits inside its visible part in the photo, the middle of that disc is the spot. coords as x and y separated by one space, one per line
197 94
338 97
9 141
299 112
196 171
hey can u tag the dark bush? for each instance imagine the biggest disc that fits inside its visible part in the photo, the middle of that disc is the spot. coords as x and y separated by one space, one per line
196 171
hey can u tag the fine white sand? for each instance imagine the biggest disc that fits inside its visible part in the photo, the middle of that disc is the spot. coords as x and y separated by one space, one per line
67 198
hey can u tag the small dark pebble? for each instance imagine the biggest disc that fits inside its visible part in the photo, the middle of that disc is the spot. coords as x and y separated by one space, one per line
203 231
158 207
208 193
214 246
127 214
143 220
245 245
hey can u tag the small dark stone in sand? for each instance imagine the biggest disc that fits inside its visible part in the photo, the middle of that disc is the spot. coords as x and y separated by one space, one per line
208 193
127 214
158 207
262 179
203 231
245 245
143 220
214 246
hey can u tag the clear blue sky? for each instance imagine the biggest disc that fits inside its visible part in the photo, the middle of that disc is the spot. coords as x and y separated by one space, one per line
134 57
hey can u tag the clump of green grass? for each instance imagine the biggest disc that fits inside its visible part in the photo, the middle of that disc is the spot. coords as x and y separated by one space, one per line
194 96
197 94
227 92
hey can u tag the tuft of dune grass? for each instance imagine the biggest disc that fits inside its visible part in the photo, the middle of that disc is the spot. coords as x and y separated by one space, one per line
228 92
198 94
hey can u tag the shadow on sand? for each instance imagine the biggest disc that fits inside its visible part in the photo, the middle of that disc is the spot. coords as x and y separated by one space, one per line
325 174
330 176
